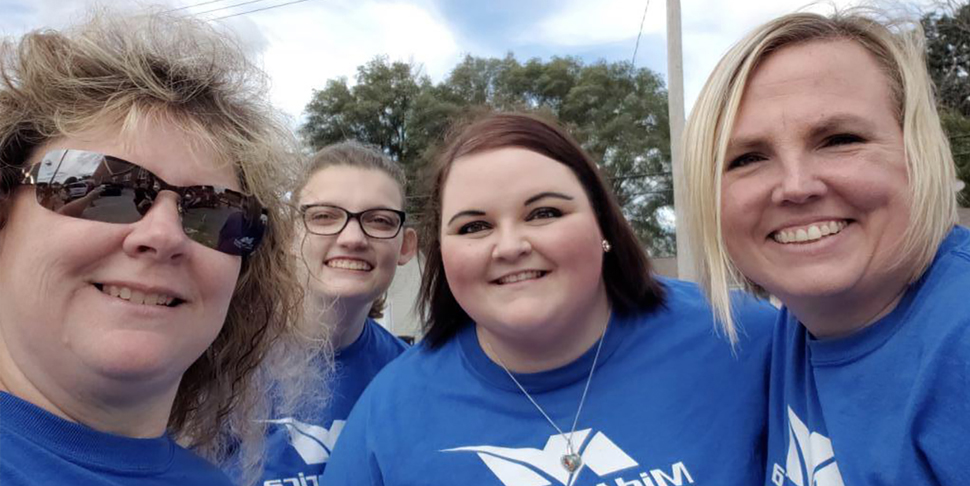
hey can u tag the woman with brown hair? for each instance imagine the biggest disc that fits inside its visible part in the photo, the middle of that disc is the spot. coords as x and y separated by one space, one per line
142 251
552 356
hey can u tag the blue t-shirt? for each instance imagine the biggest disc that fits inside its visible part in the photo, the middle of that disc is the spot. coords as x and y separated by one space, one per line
40 448
669 404
888 405
298 449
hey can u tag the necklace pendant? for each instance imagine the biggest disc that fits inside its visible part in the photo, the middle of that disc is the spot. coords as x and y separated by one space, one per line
571 462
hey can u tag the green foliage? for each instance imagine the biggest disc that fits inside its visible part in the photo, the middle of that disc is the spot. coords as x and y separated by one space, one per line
618 113
948 59
957 128
948 54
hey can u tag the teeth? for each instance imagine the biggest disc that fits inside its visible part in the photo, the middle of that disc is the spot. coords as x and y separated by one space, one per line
137 296
811 233
518 277
348 264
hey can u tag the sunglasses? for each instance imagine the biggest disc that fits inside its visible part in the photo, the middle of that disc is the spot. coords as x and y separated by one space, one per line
99 187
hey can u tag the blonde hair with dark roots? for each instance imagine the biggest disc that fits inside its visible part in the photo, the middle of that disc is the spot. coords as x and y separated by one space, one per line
898 47
121 70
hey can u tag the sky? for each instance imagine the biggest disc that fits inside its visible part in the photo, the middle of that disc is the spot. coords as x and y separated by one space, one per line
305 43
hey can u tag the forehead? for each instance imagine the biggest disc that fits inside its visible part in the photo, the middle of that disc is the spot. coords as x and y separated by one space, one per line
825 68
160 147
811 81
353 188
506 175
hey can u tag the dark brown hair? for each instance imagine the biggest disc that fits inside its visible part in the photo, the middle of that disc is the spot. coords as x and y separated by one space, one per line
626 268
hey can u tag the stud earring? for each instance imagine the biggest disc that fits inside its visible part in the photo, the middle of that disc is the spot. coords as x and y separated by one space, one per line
606 246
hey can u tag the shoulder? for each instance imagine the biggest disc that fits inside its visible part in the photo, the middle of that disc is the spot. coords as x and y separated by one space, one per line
939 296
384 340
755 318
412 368
192 470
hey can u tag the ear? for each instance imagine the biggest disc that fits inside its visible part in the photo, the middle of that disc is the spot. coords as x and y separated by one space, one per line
409 247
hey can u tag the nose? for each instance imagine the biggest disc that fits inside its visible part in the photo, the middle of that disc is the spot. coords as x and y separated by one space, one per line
511 245
158 235
799 182
352 236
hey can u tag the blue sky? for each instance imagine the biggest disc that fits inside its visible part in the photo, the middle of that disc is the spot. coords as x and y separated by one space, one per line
303 45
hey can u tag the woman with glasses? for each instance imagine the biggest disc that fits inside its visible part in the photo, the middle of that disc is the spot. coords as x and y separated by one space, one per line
142 252
352 201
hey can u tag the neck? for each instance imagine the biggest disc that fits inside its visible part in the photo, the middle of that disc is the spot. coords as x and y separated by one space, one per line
347 318
837 317
533 356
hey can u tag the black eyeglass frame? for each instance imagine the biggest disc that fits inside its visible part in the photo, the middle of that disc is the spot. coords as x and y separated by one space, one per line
352 215
255 216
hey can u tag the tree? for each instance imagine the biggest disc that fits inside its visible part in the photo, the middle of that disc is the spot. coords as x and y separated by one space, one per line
948 60
948 53
616 112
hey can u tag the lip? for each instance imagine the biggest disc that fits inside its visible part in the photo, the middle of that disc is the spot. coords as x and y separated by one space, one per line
806 221
544 273
155 289
349 258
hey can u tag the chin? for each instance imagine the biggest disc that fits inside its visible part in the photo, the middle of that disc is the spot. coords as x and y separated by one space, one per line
144 359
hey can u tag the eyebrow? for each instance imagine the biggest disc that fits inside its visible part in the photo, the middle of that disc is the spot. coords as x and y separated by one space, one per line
841 121
543 195
469 212
531 200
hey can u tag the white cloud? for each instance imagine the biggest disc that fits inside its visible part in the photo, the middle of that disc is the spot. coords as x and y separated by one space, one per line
581 22
321 41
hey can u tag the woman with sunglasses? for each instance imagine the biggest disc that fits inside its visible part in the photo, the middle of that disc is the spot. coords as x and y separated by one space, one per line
142 252
552 355
352 201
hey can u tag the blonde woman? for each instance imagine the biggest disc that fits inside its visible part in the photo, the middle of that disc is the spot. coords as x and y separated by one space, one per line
142 249
819 174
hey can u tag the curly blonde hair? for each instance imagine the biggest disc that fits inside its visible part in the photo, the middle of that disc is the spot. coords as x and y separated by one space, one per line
897 45
122 69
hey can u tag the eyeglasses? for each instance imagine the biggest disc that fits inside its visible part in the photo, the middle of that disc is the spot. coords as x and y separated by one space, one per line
99 187
327 220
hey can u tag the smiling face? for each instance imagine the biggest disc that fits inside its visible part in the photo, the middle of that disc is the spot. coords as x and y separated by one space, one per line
121 310
350 265
522 249
815 198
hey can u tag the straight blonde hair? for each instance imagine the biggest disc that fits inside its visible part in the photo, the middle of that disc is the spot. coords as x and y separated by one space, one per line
898 47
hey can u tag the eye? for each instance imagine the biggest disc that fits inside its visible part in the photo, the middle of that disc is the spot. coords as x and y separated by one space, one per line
843 139
473 227
744 159
544 213
382 219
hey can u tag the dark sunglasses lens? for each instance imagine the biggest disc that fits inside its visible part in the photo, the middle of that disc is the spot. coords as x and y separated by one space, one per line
80 184
225 229
92 186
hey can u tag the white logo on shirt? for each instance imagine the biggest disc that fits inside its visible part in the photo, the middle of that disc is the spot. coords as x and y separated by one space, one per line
534 467
811 460
312 442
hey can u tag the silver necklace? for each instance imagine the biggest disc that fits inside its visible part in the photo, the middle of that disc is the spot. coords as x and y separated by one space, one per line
571 460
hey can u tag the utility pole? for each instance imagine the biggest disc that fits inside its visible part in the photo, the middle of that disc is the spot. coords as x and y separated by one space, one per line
675 108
